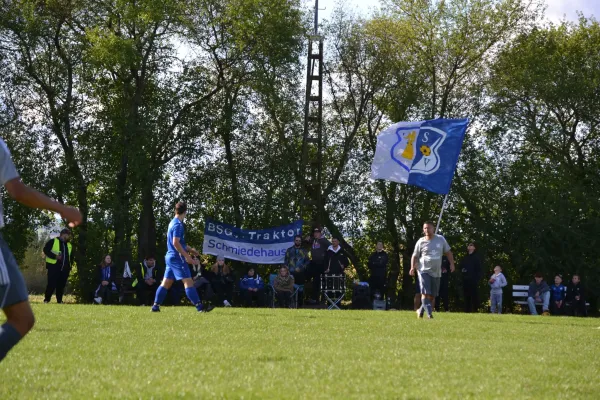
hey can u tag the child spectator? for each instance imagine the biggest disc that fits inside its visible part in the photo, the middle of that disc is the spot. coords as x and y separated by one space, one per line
106 278
558 293
539 292
576 298
252 288
284 287
497 282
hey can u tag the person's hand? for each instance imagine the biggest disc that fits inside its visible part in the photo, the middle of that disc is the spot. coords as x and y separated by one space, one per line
492 280
537 295
452 268
59 256
559 304
72 215
194 251
191 260
412 271
104 283
577 298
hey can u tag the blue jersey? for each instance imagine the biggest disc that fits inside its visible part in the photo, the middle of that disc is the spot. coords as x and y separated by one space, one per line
558 293
176 229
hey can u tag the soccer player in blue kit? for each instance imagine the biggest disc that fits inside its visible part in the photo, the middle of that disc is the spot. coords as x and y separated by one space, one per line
179 255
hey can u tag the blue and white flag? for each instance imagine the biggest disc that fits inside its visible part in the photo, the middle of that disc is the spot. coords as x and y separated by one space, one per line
258 246
423 153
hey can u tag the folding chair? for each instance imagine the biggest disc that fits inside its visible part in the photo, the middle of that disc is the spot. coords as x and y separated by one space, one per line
298 291
333 288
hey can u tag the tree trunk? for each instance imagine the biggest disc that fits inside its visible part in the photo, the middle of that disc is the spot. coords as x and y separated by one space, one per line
230 99
147 223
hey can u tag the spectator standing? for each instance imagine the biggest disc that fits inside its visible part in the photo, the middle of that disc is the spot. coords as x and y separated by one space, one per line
497 282
297 260
576 297
378 262
58 253
472 274
336 260
318 250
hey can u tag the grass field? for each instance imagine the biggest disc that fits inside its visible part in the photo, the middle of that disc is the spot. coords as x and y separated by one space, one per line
84 351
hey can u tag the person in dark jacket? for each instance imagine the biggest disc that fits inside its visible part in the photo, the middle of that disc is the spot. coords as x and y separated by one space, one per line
378 262
252 288
222 280
539 292
576 298
107 273
58 252
558 293
147 278
336 260
472 273
318 250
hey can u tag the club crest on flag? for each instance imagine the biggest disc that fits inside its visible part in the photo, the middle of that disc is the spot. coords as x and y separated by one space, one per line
423 153
417 149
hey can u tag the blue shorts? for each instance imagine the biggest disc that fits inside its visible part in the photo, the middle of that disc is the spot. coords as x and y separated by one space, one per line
176 270
429 285
12 286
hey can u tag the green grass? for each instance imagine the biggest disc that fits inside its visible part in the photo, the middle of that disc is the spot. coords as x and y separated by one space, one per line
84 351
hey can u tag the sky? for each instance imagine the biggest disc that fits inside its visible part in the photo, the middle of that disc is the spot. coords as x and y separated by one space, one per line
556 9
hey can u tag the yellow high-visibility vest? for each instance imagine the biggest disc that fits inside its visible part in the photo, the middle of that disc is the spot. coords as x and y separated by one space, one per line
56 249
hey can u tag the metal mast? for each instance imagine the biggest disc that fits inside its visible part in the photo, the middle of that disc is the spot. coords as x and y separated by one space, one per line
312 147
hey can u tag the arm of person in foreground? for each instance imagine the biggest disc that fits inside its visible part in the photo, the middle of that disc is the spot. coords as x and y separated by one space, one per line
34 199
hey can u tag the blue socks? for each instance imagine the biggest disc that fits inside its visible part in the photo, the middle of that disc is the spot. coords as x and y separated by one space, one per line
161 293
192 294
9 337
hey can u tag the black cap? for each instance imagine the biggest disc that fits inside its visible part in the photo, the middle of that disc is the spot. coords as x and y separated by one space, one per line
66 230
317 229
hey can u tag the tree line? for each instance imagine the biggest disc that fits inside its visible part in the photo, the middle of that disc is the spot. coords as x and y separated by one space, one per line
121 108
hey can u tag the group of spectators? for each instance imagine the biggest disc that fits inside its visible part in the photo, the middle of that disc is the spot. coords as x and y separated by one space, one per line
307 261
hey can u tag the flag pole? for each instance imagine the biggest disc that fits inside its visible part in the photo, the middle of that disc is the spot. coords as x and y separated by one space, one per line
437 227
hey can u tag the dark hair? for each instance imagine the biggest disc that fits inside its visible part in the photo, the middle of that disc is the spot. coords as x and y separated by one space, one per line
576 275
559 275
65 230
150 258
428 223
472 243
336 238
180 207
297 236
379 241
538 275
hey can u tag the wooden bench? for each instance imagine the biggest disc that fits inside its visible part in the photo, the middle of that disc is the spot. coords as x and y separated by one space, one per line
520 293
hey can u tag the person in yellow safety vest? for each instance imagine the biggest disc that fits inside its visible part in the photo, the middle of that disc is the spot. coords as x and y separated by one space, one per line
147 278
58 253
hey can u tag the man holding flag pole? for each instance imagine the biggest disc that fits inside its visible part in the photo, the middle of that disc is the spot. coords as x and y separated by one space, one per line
425 154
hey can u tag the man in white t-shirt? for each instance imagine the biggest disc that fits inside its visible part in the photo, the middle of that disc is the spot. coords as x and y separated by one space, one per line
427 260
14 299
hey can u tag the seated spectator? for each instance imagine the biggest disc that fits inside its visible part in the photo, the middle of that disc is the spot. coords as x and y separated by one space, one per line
336 260
558 293
222 279
106 281
252 289
147 279
576 298
284 287
201 283
538 292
